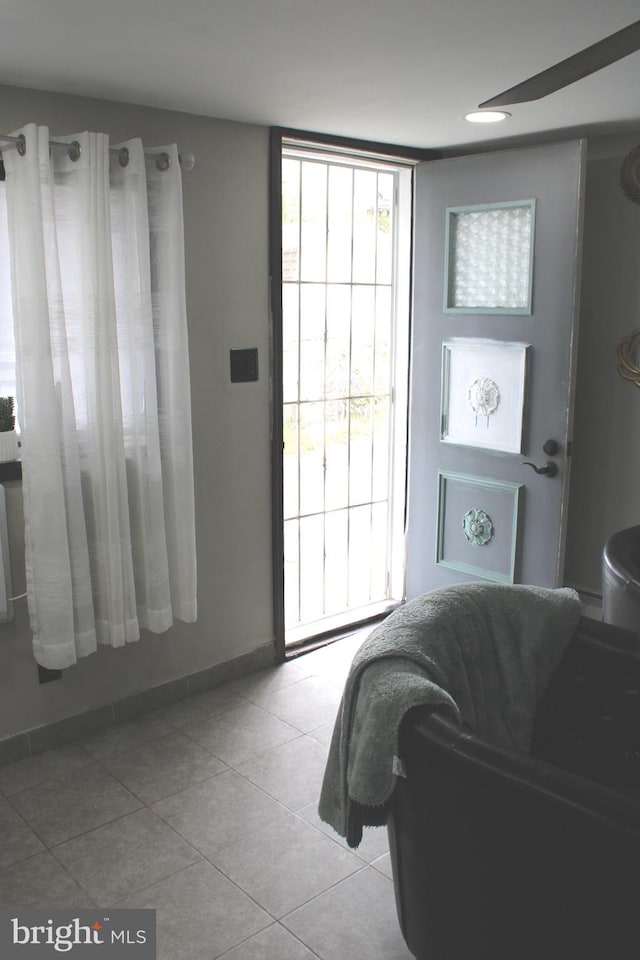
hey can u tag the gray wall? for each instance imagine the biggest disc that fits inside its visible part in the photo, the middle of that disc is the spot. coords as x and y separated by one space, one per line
605 481
226 236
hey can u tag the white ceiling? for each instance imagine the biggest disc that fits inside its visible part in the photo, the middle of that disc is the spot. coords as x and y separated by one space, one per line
401 72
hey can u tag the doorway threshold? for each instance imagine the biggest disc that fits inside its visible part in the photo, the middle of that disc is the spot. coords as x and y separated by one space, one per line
305 638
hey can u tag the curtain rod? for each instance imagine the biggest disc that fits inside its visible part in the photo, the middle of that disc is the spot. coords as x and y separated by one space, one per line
187 160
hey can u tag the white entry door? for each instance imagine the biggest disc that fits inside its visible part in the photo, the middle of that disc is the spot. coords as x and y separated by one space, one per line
496 280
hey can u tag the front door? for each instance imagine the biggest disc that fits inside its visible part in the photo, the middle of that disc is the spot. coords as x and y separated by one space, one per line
496 279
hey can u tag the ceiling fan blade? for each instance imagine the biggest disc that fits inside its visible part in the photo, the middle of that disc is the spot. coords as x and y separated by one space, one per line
580 65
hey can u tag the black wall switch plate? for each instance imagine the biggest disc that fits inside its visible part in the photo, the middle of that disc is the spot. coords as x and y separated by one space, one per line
244 365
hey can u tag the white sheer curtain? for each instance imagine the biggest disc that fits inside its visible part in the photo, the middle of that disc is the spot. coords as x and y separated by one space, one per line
97 283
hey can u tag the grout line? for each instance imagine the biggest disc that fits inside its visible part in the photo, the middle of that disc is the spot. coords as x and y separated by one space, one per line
31 829
322 893
282 813
45 780
276 923
334 837
285 813
300 905
230 950
300 940
71 876
149 803
244 892
144 806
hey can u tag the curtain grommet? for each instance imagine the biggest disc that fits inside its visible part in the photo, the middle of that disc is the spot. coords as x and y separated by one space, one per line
163 161
187 161
75 151
123 156
21 145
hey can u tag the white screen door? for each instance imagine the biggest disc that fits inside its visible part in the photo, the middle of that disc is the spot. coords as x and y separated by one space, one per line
345 300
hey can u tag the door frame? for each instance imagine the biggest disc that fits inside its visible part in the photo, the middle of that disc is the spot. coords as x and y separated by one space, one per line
278 136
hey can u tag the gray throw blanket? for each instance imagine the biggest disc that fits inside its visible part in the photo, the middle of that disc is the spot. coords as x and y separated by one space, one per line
483 652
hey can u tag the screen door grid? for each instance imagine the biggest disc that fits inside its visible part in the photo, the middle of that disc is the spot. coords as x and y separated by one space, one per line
338 265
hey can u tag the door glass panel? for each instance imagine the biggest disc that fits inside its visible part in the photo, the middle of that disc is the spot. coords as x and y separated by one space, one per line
311 457
313 227
379 546
290 461
384 223
312 326
336 552
360 450
311 567
338 341
380 468
336 455
490 257
290 341
290 220
340 219
365 210
292 570
383 335
359 556
363 315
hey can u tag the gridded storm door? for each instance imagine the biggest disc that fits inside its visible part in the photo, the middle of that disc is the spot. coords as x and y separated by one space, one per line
345 295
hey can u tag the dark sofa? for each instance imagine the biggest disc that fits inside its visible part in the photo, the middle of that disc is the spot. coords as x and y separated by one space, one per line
505 856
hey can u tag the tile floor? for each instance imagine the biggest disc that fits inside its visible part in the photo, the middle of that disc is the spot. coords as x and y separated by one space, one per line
206 812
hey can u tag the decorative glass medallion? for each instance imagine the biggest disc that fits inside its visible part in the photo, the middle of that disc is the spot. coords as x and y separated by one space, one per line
484 397
477 527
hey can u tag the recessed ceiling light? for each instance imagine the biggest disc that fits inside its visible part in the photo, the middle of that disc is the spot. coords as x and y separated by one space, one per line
487 116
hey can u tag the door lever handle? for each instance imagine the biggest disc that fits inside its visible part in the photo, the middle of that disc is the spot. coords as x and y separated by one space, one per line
548 470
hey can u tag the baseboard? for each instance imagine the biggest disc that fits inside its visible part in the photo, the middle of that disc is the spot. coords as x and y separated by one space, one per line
60 732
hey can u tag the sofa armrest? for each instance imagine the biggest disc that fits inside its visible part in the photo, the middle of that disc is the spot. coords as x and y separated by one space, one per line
535 781
588 721
499 854
607 638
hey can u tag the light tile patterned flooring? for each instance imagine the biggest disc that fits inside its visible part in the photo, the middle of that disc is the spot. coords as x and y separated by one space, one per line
207 812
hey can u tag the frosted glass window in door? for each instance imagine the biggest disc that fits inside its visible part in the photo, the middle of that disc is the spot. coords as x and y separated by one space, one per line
489 258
